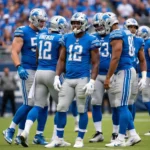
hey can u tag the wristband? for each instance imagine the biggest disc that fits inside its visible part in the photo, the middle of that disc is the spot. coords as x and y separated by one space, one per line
18 66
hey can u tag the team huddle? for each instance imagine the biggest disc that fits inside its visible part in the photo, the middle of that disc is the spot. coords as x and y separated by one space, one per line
79 65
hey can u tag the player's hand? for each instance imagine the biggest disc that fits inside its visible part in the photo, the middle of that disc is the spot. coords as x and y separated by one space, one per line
142 84
89 87
107 83
23 74
57 84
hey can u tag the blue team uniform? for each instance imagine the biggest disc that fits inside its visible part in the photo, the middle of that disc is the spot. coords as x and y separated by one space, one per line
28 55
127 55
138 44
48 47
147 57
78 54
104 54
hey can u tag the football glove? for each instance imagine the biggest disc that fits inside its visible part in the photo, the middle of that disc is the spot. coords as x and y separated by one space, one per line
89 87
23 74
57 84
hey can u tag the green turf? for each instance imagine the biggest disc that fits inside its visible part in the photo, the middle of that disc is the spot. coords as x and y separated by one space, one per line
142 124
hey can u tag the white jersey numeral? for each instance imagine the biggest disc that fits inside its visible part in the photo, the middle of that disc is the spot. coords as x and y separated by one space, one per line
33 43
131 46
105 53
75 56
44 53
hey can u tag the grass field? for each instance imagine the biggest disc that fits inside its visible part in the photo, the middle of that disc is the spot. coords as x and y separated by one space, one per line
142 123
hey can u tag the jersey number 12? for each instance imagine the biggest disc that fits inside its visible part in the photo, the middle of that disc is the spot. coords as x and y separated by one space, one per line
44 50
75 56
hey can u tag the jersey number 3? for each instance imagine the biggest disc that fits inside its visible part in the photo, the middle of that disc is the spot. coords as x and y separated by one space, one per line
75 56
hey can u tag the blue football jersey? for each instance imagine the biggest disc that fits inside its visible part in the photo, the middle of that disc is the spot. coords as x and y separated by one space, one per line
138 44
48 47
127 55
104 54
147 57
28 51
78 51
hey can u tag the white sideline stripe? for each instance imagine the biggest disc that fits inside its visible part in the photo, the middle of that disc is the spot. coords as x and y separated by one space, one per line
100 148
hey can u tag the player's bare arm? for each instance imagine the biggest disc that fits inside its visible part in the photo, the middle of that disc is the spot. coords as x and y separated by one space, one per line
95 63
116 52
16 48
149 52
142 60
61 62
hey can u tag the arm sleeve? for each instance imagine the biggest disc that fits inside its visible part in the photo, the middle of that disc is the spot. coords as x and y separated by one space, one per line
116 35
19 32
95 43
62 40
142 43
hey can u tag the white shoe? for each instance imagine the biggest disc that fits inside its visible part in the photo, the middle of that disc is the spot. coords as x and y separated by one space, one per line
133 140
24 139
113 137
57 143
78 143
147 134
116 143
98 137
65 144
76 128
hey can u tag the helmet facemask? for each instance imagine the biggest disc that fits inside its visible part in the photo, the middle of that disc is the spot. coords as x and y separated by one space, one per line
99 28
79 23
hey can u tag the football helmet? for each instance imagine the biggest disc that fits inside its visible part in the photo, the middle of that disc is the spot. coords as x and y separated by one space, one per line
58 24
98 23
37 15
144 32
82 20
109 20
131 22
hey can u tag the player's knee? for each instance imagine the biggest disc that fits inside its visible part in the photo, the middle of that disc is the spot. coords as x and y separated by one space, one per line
81 109
40 105
95 102
62 108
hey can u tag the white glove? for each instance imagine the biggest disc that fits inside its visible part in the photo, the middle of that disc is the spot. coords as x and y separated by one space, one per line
142 82
89 87
57 84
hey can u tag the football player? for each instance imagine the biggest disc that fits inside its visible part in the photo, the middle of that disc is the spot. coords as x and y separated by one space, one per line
132 25
123 74
48 45
78 51
97 96
25 42
144 32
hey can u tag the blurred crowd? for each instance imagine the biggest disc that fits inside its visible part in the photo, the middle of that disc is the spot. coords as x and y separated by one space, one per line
14 13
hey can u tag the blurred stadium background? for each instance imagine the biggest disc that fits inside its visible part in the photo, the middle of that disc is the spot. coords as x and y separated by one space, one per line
15 13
